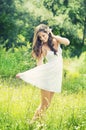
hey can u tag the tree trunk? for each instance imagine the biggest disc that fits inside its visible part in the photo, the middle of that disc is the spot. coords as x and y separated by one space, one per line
84 33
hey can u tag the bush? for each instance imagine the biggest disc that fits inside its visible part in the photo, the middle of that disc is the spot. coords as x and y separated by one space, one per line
15 62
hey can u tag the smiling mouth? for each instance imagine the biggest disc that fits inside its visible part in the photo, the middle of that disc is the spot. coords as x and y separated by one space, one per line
43 40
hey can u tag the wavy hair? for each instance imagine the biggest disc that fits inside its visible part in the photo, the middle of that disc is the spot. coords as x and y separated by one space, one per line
37 43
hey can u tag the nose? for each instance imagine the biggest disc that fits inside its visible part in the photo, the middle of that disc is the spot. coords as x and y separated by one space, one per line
42 38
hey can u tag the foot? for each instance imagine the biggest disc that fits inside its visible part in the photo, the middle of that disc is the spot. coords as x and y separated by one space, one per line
30 122
34 120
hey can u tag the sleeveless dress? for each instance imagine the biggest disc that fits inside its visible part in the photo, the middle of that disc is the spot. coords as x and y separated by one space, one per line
47 76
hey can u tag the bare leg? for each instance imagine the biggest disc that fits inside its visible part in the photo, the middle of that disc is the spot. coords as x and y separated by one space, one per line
46 98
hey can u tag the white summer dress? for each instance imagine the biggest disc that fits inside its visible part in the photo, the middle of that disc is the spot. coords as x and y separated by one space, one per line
47 76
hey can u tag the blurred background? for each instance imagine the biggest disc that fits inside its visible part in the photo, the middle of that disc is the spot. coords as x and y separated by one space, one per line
18 100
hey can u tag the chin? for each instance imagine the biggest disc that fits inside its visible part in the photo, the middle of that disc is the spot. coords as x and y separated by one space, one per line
45 41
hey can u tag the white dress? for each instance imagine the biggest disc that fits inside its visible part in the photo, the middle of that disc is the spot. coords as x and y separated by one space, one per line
47 76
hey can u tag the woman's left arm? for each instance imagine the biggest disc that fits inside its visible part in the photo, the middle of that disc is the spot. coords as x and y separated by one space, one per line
62 40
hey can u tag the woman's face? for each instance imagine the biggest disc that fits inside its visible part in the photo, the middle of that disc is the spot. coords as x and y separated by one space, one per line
43 36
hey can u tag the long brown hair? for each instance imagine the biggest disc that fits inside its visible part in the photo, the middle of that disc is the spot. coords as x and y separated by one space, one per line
37 43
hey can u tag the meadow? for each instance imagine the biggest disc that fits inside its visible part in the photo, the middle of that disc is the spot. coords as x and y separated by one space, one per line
19 100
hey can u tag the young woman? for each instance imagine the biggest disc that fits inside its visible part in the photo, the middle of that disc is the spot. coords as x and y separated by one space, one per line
46 76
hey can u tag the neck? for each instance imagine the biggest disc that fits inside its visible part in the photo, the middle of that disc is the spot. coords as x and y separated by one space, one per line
44 43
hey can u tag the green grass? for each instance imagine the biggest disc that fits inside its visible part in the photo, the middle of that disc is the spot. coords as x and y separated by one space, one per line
13 62
18 100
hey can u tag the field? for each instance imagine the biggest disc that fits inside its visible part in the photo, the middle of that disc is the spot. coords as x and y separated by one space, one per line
18 100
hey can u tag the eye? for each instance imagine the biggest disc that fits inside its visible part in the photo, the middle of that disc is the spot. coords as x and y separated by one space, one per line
39 37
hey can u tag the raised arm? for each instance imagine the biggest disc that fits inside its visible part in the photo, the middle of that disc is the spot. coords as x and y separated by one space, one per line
62 40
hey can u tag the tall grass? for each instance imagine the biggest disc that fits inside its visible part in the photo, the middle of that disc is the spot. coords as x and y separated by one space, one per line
14 62
18 104
74 74
19 100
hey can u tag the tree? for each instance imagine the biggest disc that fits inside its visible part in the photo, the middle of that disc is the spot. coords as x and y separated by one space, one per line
16 23
77 15
71 20
8 29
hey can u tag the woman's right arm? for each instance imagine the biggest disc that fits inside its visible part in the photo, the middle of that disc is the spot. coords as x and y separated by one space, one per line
62 40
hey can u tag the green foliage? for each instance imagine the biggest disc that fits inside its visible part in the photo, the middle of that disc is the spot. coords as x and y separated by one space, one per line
7 23
71 22
74 77
19 18
12 63
82 59
15 21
